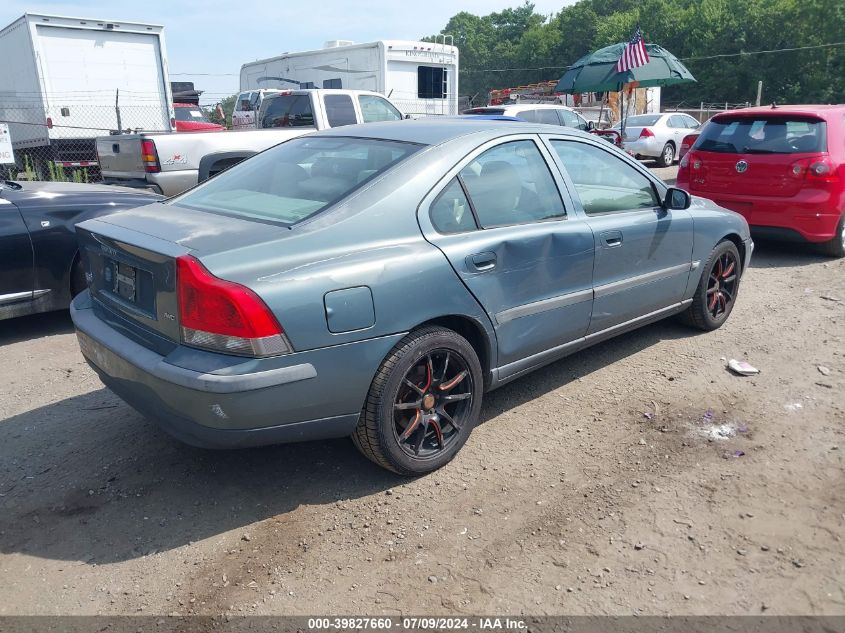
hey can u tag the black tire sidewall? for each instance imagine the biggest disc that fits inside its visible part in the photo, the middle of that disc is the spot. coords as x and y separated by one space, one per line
418 348
701 292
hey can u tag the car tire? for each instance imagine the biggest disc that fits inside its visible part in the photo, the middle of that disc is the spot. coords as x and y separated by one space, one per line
667 156
717 289
435 368
836 246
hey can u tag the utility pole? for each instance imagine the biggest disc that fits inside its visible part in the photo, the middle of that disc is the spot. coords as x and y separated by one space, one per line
759 92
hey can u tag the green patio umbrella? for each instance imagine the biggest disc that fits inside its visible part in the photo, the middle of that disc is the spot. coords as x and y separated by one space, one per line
597 72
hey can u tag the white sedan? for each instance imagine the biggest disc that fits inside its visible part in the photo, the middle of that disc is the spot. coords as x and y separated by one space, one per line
657 136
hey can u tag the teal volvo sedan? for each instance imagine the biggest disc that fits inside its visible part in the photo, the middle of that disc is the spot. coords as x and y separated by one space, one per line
375 281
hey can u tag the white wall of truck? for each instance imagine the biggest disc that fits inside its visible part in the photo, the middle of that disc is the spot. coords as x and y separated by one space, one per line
67 71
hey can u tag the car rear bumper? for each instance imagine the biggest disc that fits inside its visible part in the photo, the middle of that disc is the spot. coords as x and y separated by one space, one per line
650 147
301 396
168 183
809 216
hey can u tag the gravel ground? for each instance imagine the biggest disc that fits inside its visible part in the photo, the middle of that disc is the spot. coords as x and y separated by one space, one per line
636 477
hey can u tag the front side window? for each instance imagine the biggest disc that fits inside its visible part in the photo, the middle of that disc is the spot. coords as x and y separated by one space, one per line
547 116
778 134
339 110
296 179
287 111
374 108
431 82
569 118
604 182
511 184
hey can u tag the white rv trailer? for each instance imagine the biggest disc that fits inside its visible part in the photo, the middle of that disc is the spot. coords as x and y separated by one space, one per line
421 78
61 79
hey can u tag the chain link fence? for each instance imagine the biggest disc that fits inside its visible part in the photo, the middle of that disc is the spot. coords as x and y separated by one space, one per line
58 142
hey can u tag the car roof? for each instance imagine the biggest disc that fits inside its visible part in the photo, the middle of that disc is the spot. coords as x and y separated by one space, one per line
807 109
437 130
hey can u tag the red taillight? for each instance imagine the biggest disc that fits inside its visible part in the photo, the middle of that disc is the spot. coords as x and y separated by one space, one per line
224 316
819 169
149 157
646 133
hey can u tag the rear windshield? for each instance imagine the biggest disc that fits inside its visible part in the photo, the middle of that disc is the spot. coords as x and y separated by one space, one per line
190 114
485 111
287 111
763 135
641 121
296 179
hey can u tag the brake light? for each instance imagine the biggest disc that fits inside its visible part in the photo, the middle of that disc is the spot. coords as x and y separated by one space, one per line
223 316
646 133
818 170
149 156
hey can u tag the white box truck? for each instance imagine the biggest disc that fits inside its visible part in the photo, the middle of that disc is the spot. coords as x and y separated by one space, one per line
64 81
420 78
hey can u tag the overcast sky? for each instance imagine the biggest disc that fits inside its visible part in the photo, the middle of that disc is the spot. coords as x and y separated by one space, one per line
217 37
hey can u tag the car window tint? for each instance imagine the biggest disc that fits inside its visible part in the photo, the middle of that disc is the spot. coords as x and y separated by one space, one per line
287 111
451 212
570 119
604 182
296 179
511 184
776 134
548 116
375 108
339 110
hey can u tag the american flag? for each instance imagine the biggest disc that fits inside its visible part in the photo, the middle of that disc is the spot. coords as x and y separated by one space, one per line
634 54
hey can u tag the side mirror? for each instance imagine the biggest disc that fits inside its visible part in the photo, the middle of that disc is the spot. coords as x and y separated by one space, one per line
676 199
407 116
590 126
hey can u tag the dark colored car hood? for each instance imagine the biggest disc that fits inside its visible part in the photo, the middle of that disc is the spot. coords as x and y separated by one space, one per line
43 191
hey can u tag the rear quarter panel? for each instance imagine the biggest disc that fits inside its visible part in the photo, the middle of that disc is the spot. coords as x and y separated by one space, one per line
371 240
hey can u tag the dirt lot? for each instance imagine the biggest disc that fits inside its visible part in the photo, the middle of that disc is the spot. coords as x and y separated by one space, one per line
636 477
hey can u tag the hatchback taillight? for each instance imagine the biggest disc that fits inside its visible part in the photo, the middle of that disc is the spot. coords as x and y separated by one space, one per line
819 169
646 133
223 316
149 156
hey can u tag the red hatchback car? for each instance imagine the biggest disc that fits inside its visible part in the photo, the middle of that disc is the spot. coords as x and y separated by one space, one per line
781 167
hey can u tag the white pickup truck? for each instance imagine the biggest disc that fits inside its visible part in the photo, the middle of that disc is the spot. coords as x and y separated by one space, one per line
169 163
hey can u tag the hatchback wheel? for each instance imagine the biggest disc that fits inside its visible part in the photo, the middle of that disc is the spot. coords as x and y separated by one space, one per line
667 156
836 246
423 403
717 291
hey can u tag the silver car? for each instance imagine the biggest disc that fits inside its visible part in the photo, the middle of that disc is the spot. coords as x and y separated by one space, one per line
375 281
657 136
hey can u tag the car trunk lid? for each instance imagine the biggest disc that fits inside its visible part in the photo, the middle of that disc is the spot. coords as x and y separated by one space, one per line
131 265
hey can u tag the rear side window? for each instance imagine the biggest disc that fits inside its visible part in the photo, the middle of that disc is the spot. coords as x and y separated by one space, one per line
527 115
339 110
296 179
511 184
451 212
287 111
763 135
375 108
